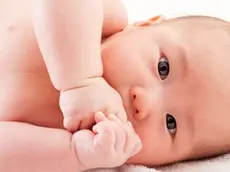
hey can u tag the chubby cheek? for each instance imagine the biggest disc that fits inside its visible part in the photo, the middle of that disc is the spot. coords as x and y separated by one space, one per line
112 70
156 145
122 70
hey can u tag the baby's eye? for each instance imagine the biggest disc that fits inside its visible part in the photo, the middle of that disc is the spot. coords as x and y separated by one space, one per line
163 68
171 124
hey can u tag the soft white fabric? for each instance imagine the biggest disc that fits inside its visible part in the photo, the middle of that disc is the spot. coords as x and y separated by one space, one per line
218 164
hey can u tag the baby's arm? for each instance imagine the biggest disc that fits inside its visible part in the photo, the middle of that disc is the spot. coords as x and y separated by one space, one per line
27 148
69 36
115 17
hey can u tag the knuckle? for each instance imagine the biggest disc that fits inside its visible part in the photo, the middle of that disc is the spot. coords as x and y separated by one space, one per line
69 111
107 133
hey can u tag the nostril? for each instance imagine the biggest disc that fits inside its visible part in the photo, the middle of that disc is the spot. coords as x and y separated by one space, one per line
139 101
134 96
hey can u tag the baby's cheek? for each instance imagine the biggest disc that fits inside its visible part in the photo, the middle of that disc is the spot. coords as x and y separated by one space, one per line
112 68
157 145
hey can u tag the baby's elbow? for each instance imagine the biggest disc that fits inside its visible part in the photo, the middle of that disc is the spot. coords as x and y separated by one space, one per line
115 17
114 26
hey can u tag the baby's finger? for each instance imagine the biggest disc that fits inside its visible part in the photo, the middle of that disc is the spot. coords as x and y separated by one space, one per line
99 116
120 135
130 125
105 135
87 123
133 142
71 124
137 147
113 118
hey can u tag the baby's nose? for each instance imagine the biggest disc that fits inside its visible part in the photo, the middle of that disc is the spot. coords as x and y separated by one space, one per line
141 103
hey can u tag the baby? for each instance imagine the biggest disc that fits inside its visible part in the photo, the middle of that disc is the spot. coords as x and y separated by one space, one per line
170 91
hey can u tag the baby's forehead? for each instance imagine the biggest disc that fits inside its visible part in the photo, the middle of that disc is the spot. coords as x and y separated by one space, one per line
195 23
198 34
199 27
191 30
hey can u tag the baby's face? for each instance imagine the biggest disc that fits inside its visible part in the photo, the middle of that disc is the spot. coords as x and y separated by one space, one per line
174 81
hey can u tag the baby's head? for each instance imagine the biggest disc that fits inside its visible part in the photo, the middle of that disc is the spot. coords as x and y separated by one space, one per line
174 79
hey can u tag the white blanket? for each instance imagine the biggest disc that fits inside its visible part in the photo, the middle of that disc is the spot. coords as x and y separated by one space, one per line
218 164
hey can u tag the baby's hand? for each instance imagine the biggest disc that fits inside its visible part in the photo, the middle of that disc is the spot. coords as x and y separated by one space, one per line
111 144
79 104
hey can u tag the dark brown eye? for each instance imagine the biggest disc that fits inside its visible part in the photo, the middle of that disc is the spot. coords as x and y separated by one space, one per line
171 124
163 68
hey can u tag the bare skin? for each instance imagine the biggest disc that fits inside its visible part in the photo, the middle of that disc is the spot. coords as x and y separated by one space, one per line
22 66
188 92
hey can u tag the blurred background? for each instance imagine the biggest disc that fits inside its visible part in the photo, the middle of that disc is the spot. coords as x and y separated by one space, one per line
143 9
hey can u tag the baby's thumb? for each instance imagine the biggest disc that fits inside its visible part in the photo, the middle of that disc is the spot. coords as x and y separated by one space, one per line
99 116
71 124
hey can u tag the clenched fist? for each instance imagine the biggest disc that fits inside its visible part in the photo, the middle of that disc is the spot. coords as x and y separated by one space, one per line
109 145
79 104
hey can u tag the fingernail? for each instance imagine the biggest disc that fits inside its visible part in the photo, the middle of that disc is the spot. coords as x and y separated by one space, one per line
94 129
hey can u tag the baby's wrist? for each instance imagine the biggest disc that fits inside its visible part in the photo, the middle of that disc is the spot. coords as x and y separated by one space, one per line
86 82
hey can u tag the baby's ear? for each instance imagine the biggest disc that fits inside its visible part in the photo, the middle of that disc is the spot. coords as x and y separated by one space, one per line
149 22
